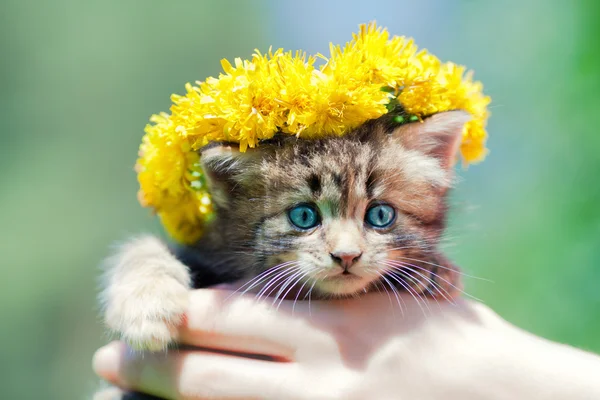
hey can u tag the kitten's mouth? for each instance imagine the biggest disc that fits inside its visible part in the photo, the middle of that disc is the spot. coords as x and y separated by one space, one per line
342 277
342 284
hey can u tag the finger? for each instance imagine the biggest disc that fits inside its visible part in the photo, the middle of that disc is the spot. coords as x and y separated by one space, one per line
215 319
190 374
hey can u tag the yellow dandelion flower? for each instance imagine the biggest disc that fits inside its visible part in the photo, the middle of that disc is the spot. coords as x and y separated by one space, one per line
280 91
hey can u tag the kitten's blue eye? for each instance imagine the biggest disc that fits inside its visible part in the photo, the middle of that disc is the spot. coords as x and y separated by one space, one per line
380 216
304 216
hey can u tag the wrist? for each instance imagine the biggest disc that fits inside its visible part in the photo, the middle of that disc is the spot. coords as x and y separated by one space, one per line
511 363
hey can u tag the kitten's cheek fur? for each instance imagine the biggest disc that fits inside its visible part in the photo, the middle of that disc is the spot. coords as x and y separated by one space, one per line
146 294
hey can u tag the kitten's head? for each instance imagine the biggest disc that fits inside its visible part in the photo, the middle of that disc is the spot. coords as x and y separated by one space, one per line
344 214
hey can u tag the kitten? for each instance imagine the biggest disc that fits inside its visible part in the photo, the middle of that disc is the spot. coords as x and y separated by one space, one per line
339 216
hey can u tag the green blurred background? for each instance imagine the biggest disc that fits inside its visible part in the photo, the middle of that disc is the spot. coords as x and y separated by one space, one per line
79 80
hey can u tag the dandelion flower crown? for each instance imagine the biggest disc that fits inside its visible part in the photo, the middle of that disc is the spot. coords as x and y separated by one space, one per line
282 92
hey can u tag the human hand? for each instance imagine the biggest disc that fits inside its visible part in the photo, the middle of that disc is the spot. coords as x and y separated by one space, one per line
350 349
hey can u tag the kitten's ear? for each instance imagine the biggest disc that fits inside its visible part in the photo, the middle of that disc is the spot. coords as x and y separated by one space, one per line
225 167
438 136
220 160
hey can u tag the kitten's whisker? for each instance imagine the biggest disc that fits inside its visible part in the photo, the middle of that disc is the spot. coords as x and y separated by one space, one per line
299 279
281 275
403 267
417 282
261 277
443 292
307 293
406 286
309 297
435 284
444 267
442 279
277 281
268 271
395 291
287 282
399 299
297 295
282 285
406 247
403 264
376 285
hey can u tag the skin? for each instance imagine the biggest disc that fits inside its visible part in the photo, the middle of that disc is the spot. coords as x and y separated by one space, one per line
351 349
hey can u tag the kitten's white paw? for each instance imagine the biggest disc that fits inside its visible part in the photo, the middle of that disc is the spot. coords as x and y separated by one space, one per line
147 313
151 335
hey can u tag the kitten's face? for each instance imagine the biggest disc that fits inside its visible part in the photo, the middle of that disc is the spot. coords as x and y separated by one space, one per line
343 215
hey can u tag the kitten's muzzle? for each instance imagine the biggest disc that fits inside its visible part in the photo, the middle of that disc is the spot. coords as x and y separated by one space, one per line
346 260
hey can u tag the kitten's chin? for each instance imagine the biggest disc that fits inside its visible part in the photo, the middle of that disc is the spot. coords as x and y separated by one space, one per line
342 285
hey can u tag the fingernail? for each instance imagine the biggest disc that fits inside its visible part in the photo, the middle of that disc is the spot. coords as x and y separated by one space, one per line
106 361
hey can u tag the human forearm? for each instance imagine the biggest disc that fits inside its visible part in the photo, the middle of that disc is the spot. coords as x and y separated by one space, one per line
495 360
540 369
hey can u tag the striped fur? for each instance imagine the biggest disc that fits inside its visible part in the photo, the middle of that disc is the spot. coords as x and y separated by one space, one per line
407 167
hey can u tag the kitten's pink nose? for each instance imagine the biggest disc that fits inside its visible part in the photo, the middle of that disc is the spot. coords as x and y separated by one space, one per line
345 260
